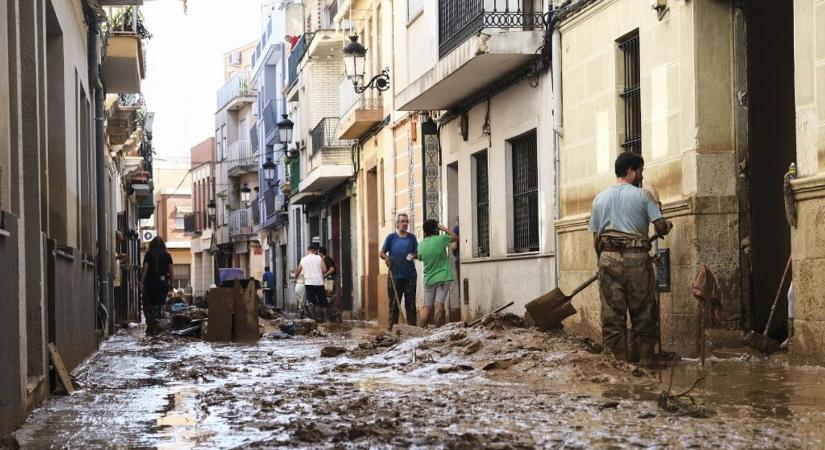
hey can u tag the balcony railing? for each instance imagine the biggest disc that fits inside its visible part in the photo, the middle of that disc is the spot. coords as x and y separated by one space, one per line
295 57
253 137
237 86
295 174
240 223
324 135
458 20
255 206
269 115
240 157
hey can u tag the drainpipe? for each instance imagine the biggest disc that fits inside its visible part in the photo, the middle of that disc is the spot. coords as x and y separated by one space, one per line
558 132
102 243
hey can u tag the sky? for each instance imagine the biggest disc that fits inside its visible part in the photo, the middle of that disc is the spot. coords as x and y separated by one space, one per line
184 67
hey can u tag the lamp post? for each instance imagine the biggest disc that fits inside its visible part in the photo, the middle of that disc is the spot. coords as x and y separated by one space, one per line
355 57
269 171
245 192
210 210
285 129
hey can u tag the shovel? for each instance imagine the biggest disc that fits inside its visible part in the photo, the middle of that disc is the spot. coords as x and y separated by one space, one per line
763 342
549 310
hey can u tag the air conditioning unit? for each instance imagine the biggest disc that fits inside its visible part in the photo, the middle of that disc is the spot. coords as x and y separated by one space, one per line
147 235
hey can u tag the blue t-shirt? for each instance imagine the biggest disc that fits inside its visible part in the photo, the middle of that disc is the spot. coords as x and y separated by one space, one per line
625 208
398 248
269 280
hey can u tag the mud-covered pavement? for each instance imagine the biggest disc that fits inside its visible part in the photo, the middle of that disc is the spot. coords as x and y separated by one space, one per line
454 387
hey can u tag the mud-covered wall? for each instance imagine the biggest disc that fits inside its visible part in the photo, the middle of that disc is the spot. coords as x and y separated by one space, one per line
687 142
808 238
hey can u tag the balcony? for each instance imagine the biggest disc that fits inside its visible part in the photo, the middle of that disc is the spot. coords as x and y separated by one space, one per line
359 112
326 45
240 158
330 161
294 61
240 225
124 65
480 42
236 92
269 116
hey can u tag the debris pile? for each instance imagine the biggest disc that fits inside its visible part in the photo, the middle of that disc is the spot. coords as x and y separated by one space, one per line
288 328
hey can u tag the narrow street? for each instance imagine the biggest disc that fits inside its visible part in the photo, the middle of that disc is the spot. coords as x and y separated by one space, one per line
492 386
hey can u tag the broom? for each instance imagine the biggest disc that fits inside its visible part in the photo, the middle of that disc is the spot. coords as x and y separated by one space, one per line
762 342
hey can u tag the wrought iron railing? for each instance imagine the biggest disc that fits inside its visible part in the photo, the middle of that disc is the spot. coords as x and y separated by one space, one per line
240 156
240 222
295 57
237 86
348 100
460 19
324 135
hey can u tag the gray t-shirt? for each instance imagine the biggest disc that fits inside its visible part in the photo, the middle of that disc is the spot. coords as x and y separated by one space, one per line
625 208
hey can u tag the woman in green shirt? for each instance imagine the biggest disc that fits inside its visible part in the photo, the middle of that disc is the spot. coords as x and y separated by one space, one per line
438 273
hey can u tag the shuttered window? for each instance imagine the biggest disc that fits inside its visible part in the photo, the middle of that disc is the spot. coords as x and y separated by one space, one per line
525 193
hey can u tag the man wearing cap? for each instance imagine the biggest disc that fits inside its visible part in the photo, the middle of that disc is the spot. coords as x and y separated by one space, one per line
620 223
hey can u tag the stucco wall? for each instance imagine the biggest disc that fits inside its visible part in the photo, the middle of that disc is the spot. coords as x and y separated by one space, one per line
687 142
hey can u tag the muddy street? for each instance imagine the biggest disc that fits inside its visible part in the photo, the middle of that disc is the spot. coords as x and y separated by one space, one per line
493 386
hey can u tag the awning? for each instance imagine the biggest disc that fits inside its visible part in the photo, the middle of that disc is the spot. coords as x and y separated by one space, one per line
304 197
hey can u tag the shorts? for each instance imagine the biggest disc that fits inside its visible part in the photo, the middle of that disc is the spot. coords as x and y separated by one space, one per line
437 293
316 295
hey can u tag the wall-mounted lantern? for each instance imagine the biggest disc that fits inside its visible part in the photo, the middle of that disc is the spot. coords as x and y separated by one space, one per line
355 57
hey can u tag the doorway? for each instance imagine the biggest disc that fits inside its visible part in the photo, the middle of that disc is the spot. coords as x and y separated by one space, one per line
371 306
766 143
454 312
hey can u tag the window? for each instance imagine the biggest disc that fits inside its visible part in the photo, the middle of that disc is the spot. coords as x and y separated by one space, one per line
631 94
181 275
180 222
414 7
482 205
525 193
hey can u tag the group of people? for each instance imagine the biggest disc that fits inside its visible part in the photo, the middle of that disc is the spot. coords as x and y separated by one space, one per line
400 250
315 282
619 221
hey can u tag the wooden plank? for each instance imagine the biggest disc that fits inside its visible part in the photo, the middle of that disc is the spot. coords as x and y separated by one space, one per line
219 323
62 373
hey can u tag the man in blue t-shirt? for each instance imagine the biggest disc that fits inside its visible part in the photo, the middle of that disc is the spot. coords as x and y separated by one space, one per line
398 252
269 287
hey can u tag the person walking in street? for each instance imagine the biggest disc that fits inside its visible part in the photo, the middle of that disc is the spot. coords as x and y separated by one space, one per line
398 252
620 223
155 282
269 286
330 285
438 275
312 267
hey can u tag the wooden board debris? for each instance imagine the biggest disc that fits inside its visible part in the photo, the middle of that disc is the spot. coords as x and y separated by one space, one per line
62 373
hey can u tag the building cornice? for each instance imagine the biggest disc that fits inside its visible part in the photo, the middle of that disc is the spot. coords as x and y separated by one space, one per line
809 188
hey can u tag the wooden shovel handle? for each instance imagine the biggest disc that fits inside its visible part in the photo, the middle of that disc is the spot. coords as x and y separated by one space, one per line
583 285
778 294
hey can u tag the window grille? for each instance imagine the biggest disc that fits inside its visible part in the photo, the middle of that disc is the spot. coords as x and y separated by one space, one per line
631 94
525 193
482 205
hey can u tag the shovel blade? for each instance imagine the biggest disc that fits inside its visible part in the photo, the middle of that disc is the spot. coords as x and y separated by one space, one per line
549 310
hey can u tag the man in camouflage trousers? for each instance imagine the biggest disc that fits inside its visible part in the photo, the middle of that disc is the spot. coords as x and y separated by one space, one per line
620 221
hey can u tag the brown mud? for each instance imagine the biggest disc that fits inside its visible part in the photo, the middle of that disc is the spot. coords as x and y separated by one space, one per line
496 385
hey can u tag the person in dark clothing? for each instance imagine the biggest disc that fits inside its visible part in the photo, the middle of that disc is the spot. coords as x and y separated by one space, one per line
269 286
330 285
398 252
155 282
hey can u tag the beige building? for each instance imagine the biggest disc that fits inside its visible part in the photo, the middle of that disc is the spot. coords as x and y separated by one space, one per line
487 160
702 90
809 190
173 207
322 207
236 167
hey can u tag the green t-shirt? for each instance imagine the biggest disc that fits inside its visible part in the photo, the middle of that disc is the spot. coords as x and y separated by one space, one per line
432 251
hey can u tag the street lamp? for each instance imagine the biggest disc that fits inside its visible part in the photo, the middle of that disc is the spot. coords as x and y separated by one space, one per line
245 192
269 171
355 57
210 208
285 129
